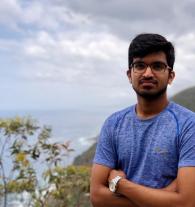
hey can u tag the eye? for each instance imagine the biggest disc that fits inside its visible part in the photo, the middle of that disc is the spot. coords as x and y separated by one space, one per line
158 66
139 66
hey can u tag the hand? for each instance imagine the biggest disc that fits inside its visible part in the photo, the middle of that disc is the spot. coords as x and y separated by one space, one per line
114 173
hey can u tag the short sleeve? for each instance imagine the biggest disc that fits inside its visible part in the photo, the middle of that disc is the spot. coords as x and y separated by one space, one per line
105 151
187 146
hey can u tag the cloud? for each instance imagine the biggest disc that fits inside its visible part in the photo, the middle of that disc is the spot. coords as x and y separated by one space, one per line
127 18
62 57
9 12
39 15
81 47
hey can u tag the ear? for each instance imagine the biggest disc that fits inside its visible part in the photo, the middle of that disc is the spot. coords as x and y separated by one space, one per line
171 77
129 75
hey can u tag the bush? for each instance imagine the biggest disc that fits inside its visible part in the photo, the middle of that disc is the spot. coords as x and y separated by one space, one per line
23 142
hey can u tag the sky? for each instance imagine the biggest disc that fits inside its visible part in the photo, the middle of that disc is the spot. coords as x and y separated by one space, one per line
72 54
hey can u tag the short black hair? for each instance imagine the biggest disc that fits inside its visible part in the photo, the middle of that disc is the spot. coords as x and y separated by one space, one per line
147 43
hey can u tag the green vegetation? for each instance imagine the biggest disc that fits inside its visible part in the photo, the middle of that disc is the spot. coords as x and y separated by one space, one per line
72 186
25 144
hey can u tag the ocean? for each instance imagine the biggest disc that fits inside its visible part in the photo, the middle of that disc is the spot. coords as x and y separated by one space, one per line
79 127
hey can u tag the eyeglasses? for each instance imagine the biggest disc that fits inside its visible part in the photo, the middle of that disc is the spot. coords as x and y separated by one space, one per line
156 67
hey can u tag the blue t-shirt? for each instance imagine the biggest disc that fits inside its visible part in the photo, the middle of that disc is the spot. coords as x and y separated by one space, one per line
149 151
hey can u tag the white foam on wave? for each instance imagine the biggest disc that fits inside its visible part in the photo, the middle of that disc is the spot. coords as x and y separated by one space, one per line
86 141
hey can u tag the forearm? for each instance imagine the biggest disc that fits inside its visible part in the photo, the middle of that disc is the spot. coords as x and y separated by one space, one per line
103 197
149 197
172 187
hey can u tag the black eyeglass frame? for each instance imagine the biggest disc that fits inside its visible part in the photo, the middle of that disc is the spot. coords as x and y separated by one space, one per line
151 65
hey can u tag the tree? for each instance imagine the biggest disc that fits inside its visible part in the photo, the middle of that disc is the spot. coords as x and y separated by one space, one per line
14 149
23 144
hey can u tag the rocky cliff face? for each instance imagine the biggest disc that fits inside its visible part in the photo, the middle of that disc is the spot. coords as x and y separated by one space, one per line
86 157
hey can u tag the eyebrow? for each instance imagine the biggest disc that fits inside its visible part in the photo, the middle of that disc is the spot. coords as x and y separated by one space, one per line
141 61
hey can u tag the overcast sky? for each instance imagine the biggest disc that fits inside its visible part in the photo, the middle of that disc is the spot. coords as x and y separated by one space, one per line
73 53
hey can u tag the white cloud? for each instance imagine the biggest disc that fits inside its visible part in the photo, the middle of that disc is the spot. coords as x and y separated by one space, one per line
35 50
10 11
39 15
84 45
101 46
184 62
75 58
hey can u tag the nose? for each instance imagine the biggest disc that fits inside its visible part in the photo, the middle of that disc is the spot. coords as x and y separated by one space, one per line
148 72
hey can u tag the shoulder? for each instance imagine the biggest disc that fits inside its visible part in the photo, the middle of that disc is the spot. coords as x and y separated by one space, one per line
116 117
181 112
184 117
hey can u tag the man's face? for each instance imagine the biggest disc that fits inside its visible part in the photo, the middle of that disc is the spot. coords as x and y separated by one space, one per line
151 84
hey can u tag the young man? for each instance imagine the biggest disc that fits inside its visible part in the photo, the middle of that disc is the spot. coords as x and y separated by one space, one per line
145 156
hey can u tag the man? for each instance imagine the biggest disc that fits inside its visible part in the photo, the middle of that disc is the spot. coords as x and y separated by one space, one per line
145 156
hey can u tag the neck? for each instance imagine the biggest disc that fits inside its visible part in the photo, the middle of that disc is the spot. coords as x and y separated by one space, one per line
149 108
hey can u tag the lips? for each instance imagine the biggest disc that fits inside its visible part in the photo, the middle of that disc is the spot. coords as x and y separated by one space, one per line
148 82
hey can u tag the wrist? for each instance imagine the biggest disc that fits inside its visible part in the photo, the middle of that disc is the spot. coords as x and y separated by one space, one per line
113 184
120 185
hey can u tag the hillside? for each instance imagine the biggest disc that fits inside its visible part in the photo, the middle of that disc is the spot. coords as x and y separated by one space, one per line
185 98
86 157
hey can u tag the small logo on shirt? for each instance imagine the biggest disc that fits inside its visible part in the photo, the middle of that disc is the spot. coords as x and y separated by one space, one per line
160 151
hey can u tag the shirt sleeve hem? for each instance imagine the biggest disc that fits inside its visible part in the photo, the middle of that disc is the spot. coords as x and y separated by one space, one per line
105 163
187 163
